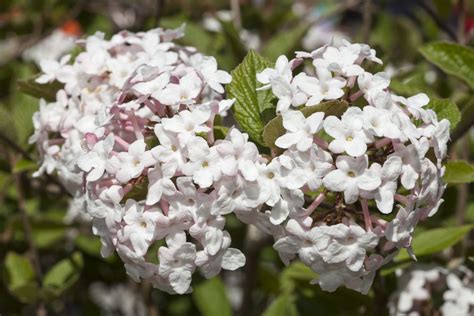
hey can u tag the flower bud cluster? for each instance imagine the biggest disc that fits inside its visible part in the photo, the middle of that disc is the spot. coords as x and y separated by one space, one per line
428 290
374 172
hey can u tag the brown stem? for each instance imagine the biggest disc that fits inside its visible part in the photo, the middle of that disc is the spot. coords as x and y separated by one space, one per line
255 240
367 21
34 256
434 16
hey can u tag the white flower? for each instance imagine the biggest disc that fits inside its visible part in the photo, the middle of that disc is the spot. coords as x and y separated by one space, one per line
94 162
185 92
324 88
291 202
288 93
214 78
348 244
177 264
341 60
282 70
411 164
54 70
350 177
130 164
300 130
226 258
400 229
204 163
384 194
140 226
159 183
187 123
347 132
378 122
308 244
239 155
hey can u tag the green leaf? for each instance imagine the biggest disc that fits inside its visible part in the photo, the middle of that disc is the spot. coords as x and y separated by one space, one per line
446 109
24 165
46 91
62 275
454 59
285 43
435 240
89 244
232 37
45 237
459 171
211 299
275 129
294 273
250 103
283 305
20 277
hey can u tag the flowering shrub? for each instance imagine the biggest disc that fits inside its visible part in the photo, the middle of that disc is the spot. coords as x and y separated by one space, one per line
135 136
384 151
434 290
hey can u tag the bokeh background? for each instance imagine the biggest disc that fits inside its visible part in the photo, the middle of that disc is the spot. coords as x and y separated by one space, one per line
80 281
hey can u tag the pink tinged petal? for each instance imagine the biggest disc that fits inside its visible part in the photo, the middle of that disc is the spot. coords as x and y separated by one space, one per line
293 120
336 180
314 122
384 200
180 280
333 126
279 213
140 245
223 77
304 144
216 86
248 169
419 100
353 70
124 175
233 259
392 168
213 240
229 166
337 146
296 179
356 147
368 181
96 173
287 140
409 177
333 93
351 193
315 99
203 178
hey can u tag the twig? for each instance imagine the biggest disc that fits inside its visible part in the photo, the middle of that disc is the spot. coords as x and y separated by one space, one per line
235 8
367 21
160 5
432 13
34 256
255 240
463 7
5 139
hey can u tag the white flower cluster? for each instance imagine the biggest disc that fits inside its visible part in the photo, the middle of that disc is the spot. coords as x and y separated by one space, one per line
428 290
132 137
132 114
384 152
